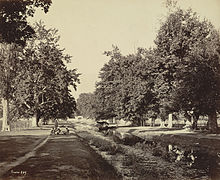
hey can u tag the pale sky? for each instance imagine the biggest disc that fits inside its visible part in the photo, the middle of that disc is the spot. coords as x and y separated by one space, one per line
90 27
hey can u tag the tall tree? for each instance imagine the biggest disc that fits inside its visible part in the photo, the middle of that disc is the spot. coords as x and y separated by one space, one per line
188 62
14 30
126 86
43 82
10 55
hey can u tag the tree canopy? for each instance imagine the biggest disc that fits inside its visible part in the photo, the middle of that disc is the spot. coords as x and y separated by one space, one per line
86 105
14 32
13 19
43 82
126 85
188 59
181 74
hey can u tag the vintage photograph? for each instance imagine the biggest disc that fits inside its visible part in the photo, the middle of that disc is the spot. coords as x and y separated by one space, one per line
110 89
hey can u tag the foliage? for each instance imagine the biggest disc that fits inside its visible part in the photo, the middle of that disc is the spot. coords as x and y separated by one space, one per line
14 32
10 55
104 102
13 19
86 105
42 85
188 63
107 89
126 86
182 73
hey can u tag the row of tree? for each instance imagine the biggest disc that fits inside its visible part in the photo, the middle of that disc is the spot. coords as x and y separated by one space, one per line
181 74
34 78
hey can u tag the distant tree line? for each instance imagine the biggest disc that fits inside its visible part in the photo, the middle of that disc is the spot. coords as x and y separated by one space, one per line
34 79
181 74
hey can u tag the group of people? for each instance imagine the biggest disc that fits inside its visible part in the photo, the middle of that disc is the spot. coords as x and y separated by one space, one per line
58 130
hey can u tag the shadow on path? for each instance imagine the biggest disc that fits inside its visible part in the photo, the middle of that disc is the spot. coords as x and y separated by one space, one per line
63 157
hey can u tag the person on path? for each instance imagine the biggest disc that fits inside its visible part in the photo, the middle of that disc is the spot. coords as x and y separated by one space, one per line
55 124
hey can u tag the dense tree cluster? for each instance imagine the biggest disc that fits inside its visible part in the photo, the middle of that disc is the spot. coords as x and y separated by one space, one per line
127 85
189 65
181 74
34 78
86 106
42 84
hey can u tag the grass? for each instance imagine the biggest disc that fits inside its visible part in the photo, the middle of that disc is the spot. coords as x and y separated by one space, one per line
106 146
146 158
134 159
13 147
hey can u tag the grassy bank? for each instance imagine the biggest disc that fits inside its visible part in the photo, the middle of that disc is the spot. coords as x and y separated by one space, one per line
143 160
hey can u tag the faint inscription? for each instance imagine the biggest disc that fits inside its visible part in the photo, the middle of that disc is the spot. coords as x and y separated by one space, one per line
22 173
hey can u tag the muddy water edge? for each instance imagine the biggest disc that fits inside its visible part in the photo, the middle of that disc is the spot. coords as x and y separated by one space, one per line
159 157
200 157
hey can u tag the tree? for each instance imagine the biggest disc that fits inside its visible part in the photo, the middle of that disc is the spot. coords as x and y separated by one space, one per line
136 95
10 55
188 62
126 86
14 30
107 88
86 105
104 101
13 19
42 86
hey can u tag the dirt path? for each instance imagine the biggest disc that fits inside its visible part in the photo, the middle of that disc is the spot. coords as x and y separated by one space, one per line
7 166
63 157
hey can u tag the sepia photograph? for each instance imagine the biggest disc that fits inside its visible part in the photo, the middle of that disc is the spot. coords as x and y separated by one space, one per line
109 89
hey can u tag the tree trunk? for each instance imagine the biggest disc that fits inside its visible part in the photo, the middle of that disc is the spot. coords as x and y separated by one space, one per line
5 106
170 120
37 118
162 123
37 113
7 48
139 122
189 120
187 116
152 122
195 120
143 122
212 122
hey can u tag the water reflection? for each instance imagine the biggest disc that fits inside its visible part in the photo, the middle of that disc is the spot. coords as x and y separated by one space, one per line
198 158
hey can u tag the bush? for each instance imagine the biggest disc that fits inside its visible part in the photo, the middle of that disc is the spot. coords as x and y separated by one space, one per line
129 160
107 146
19 125
116 149
157 151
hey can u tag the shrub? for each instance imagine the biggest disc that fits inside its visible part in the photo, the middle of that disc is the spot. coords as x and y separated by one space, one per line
19 125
